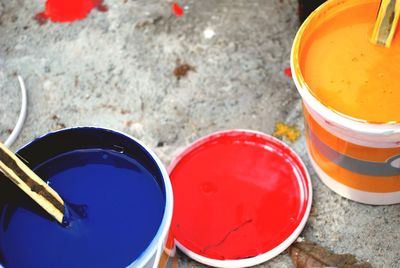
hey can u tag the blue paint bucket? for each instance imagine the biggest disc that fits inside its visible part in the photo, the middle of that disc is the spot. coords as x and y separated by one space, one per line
117 188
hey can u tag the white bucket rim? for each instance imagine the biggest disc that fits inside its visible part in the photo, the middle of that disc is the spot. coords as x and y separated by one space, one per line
163 229
256 260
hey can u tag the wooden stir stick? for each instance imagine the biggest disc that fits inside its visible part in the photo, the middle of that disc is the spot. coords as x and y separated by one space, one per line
386 22
167 261
20 174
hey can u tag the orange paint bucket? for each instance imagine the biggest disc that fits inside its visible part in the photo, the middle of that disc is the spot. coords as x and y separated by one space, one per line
351 101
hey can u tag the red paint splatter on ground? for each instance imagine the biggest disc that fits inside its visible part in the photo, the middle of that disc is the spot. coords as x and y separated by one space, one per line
177 9
288 72
68 11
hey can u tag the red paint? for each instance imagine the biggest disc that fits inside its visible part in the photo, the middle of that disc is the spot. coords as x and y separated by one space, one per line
178 11
237 194
68 10
288 72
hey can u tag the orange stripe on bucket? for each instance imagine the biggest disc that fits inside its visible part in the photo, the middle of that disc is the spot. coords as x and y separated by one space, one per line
347 148
357 181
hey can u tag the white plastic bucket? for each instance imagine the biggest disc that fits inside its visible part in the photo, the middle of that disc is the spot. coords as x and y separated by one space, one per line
67 140
356 159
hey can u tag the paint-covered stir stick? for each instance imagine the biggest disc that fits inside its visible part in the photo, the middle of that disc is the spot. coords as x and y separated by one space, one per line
167 261
386 22
20 174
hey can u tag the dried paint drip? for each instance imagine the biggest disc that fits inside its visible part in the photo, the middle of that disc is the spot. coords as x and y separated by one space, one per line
177 9
182 70
68 11
284 130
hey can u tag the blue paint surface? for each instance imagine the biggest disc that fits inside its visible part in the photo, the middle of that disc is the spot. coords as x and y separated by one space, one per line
125 206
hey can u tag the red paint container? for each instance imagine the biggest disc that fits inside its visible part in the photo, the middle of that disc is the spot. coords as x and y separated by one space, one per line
240 198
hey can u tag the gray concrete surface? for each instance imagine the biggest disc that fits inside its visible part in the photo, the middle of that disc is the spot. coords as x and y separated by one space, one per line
115 70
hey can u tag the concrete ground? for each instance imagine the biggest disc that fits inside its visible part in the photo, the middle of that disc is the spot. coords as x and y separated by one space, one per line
115 70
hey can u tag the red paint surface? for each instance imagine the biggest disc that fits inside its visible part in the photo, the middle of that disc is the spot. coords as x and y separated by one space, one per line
178 11
68 10
288 72
237 195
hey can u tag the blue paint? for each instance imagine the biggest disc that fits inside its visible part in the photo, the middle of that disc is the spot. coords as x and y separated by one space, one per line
120 191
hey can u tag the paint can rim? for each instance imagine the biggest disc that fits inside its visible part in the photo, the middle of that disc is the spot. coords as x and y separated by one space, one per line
255 260
353 124
155 246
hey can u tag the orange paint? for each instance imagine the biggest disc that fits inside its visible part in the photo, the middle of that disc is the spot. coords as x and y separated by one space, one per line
377 184
373 184
345 71
335 64
284 130
348 148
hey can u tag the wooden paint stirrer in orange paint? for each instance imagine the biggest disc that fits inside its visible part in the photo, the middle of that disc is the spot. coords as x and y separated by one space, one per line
386 22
